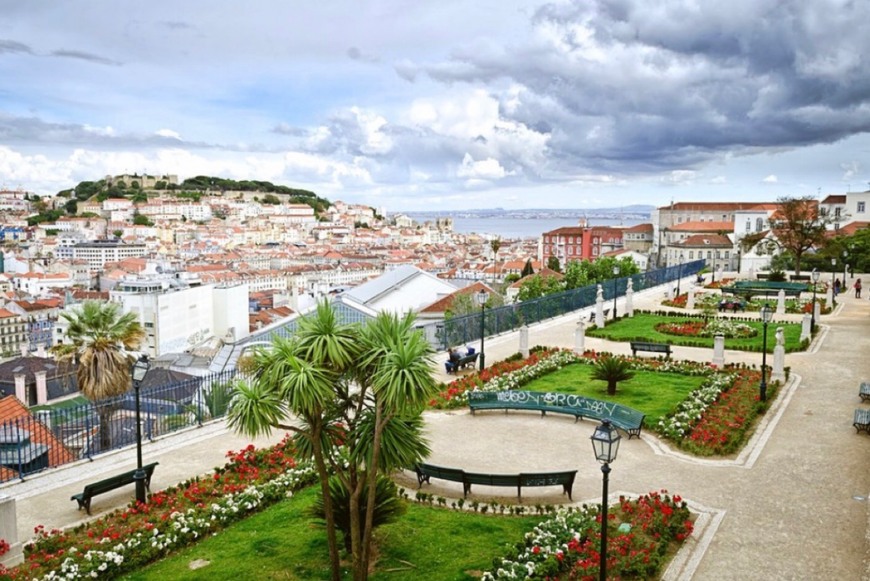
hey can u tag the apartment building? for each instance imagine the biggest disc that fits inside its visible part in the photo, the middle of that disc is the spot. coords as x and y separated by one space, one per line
580 243
98 252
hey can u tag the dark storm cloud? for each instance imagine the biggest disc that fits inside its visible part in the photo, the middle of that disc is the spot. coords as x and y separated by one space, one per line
85 56
671 84
13 47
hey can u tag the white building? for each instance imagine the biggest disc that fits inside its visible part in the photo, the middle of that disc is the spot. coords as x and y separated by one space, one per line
177 317
99 252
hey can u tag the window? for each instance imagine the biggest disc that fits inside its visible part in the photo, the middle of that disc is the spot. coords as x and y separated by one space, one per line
861 207
748 224
691 254
726 254
837 212
759 224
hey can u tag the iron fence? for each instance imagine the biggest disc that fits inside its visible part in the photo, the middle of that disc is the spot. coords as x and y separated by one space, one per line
56 436
467 328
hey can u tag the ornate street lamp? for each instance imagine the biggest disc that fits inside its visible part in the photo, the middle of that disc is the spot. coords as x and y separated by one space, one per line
140 369
482 296
615 274
815 277
766 314
833 288
605 443
679 275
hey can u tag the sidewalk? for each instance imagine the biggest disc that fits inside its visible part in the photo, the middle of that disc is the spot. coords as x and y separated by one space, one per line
795 508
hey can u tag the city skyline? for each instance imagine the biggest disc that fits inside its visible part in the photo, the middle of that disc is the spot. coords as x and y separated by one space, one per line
514 104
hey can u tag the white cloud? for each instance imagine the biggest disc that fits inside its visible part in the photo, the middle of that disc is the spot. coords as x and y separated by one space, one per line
168 133
771 179
485 169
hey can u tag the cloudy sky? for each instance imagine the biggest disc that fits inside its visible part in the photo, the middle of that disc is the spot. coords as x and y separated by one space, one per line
450 104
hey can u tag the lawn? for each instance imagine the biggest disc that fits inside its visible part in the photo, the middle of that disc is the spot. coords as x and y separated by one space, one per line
641 327
282 543
656 394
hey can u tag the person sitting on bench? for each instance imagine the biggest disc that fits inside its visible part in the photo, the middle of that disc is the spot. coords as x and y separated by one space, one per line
453 357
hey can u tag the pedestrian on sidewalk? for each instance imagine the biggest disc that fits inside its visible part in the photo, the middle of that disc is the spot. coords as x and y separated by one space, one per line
837 287
857 287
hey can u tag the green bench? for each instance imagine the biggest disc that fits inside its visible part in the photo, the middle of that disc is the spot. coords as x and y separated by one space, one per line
527 479
864 391
862 421
650 347
109 484
625 418
465 361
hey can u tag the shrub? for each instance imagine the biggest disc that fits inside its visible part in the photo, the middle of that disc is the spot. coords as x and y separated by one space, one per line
612 370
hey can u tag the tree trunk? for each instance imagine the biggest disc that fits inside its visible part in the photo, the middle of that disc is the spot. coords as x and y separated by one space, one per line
360 573
323 473
611 387
372 477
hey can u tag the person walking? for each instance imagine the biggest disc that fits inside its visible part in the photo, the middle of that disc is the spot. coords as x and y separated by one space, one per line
837 287
857 287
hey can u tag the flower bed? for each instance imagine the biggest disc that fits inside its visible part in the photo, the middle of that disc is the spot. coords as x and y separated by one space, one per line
127 539
709 328
640 534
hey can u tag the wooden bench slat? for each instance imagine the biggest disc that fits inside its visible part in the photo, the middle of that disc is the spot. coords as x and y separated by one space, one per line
861 421
650 347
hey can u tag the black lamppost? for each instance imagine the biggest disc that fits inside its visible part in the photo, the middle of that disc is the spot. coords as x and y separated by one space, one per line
766 314
482 296
679 275
605 443
833 288
615 274
140 368
738 262
815 277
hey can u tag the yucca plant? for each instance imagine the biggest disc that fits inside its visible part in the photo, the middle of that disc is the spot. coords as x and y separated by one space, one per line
388 506
612 370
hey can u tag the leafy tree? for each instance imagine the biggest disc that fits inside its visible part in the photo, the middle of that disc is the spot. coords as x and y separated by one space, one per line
536 286
271 199
101 338
142 220
121 185
357 390
117 233
612 370
160 185
511 278
140 197
71 207
465 304
134 185
554 264
798 226
527 269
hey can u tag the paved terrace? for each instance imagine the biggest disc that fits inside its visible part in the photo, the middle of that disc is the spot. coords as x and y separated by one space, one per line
790 506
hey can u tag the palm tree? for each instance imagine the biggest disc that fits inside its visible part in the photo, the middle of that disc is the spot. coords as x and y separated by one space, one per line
612 370
101 338
360 386
495 246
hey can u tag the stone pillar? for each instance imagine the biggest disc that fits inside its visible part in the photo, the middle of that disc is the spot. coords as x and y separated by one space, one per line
778 372
599 308
21 388
524 341
719 351
9 532
580 338
829 297
24 350
629 300
669 291
806 324
780 302
817 309
40 350
690 299
41 388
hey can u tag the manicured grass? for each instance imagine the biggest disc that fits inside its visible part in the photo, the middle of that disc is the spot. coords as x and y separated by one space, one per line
283 543
641 327
655 394
73 402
